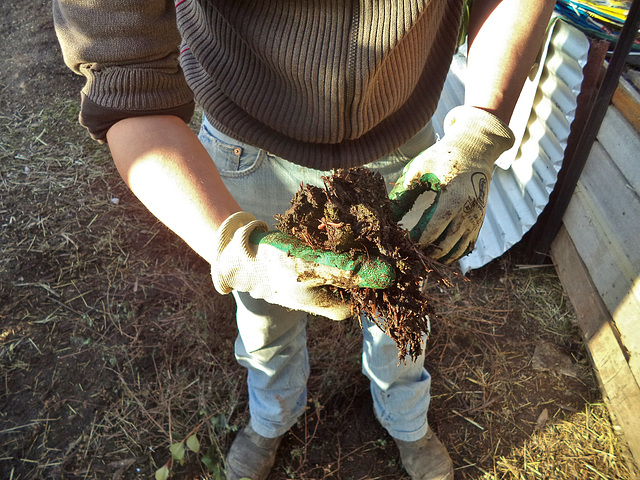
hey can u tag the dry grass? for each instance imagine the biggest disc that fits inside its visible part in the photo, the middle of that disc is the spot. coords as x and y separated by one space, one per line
581 446
504 418
114 344
93 290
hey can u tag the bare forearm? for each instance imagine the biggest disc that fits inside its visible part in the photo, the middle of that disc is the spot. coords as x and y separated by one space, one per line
167 168
504 37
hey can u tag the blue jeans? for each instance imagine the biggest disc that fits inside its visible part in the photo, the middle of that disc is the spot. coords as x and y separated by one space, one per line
271 340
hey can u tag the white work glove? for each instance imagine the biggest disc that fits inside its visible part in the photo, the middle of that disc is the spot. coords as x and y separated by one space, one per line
283 270
458 168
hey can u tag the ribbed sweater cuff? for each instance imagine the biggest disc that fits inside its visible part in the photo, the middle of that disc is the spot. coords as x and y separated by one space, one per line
136 89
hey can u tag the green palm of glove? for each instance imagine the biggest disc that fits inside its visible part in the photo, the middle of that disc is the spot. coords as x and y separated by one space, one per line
458 169
281 269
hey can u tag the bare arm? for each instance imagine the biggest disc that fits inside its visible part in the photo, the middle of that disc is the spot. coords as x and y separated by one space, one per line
504 38
168 169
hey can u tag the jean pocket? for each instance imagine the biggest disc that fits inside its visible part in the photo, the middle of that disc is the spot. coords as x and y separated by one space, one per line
232 158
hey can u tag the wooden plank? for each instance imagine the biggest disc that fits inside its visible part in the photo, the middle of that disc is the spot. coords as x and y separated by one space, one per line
627 100
615 206
606 265
619 387
622 143
606 213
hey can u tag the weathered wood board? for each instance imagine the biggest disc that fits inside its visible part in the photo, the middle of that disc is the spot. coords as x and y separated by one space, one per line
627 101
618 384
603 220
597 257
622 143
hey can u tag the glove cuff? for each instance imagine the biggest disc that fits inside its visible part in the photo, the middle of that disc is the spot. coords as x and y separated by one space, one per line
479 132
235 229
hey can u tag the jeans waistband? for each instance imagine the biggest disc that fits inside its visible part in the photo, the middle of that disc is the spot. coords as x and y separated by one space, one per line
410 149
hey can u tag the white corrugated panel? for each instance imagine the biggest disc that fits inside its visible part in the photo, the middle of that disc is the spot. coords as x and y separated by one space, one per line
525 175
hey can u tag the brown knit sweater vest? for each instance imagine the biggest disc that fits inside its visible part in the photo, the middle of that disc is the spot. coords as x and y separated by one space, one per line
325 84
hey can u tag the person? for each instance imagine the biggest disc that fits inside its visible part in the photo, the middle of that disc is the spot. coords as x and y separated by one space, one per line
291 91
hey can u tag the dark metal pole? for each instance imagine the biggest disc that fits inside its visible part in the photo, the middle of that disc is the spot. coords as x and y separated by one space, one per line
594 121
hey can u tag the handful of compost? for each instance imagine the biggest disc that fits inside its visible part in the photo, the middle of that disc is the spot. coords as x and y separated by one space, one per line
352 216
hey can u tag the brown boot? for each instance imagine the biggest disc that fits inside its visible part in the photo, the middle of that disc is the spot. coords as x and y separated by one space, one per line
251 455
426 459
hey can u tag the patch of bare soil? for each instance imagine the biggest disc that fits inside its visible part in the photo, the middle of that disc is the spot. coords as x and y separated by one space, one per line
114 344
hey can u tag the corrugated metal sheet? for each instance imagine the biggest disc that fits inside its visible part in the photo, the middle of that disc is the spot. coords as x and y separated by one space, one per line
525 175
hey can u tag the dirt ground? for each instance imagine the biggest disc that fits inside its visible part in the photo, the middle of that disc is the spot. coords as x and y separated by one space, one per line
114 344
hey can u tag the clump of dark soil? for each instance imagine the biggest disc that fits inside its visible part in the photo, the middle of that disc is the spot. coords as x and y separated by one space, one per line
352 214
